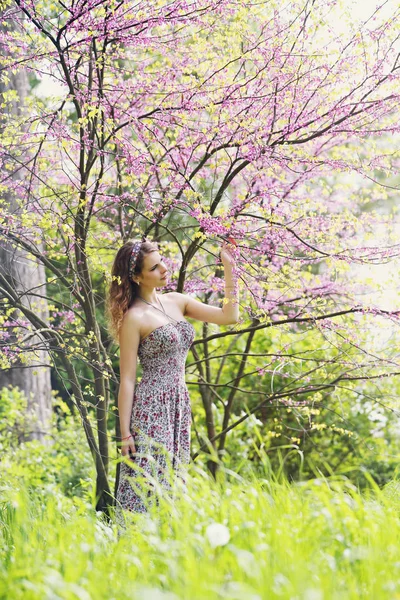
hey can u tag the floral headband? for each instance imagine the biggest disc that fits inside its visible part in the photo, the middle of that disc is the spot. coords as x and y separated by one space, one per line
133 258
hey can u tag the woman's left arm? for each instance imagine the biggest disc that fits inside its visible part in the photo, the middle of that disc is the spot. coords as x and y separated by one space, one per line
229 313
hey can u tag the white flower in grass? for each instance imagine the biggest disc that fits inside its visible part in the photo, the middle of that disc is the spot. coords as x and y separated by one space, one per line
313 594
147 593
217 534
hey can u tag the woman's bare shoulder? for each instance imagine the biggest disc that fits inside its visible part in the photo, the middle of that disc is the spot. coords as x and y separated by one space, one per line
133 315
178 299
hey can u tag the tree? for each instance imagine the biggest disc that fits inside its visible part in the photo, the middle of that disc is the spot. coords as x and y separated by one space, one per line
192 121
25 277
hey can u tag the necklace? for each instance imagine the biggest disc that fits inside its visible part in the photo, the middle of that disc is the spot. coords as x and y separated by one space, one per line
150 304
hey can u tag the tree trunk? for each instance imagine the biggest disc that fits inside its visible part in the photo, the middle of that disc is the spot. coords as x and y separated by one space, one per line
26 274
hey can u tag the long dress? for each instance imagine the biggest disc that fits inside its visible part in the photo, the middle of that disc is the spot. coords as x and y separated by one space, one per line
160 421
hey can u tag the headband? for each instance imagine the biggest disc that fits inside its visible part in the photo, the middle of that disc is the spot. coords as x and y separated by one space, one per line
133 257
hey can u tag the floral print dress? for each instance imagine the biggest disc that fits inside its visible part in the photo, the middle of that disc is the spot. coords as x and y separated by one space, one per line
160 421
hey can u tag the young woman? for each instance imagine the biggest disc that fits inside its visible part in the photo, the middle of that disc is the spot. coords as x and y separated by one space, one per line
155 415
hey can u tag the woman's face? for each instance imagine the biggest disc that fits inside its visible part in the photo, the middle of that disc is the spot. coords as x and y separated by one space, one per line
153 272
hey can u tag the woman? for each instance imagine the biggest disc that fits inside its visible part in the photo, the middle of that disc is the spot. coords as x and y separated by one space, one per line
155 415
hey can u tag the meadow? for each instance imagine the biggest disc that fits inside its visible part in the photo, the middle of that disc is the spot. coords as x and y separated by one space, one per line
252 539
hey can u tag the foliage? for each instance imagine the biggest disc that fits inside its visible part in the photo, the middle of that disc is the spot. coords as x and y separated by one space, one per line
14 420
328 429
61 464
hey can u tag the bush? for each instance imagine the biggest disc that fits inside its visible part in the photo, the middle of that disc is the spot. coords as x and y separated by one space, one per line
63 462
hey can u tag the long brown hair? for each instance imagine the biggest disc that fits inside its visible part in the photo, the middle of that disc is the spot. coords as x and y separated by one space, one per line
123 290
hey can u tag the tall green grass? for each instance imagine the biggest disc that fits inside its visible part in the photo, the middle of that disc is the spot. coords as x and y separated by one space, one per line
236 539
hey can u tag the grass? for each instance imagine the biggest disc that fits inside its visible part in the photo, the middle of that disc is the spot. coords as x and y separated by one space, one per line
236 539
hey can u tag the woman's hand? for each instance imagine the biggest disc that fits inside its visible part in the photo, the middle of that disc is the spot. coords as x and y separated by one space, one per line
128 447
226 255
